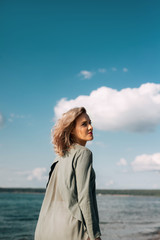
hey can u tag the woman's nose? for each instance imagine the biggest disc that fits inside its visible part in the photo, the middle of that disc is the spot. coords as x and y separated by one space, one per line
90 127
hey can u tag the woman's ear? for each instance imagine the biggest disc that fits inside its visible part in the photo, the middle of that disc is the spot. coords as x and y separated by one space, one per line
72 132
72 136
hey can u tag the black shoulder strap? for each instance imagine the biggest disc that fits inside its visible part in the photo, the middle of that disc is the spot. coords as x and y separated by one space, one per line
51 170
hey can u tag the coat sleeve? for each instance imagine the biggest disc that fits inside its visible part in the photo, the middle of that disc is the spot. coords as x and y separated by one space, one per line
86 193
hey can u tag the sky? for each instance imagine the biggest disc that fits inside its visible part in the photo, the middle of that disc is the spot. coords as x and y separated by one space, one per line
103 55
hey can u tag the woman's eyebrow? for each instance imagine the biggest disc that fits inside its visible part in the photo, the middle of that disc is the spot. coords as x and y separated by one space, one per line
84 121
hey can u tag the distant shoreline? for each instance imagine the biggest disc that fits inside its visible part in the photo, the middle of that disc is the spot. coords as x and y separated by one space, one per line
120 192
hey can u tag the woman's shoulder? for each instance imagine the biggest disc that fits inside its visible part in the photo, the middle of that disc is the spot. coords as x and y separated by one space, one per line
80 149
74 150
77 154
77 151
82 157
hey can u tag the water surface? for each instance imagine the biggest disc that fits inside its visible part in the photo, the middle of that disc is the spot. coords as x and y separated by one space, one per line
121 217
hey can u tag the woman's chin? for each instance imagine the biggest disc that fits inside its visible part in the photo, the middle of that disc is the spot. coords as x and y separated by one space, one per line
90 138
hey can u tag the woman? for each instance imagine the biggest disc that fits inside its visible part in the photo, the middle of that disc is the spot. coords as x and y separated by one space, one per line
69 209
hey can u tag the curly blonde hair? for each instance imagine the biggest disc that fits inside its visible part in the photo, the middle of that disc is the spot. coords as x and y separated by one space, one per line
61 132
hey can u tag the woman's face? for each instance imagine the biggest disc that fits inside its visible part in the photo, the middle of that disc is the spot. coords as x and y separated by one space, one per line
83 130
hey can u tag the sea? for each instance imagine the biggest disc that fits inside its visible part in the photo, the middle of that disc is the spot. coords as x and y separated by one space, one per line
122 217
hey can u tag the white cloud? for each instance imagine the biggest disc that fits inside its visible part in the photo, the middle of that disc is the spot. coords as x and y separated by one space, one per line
146 162
1 120
15 116
37 173
114 69
12 115
125 69
109 183
122 162
10 119
86 74
102 70
155 186
130 109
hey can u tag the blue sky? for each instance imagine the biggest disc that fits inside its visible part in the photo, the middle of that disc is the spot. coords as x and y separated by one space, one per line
51 50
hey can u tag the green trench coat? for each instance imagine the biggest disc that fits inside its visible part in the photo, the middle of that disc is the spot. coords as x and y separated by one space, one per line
69 209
